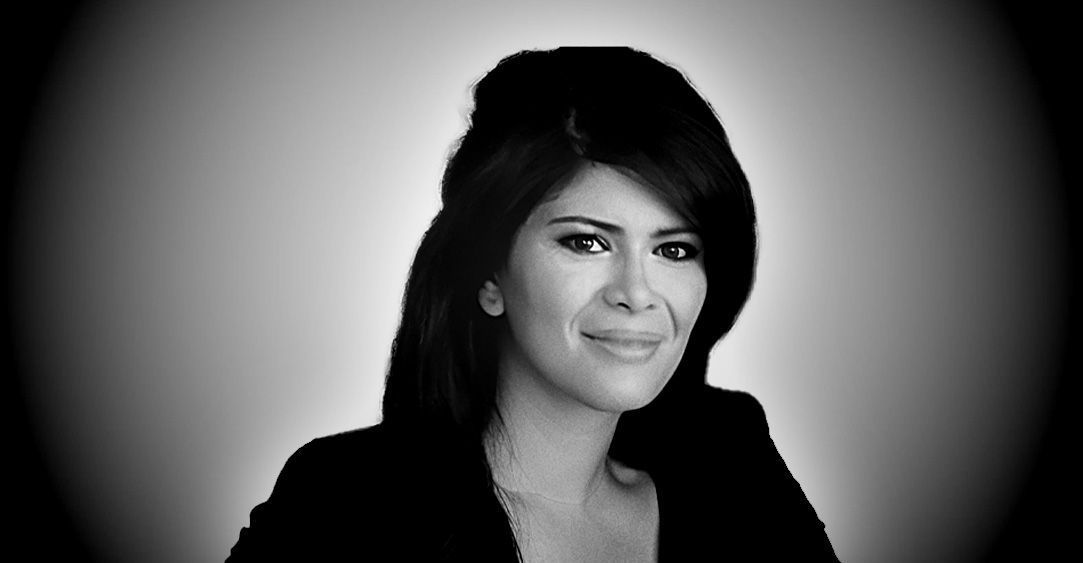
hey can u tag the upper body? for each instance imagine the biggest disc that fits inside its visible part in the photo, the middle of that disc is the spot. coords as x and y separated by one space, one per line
383 493
546 398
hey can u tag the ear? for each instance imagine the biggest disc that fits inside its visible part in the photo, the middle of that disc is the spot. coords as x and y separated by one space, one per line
491 299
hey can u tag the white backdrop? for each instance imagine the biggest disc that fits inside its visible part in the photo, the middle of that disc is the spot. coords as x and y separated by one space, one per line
226 197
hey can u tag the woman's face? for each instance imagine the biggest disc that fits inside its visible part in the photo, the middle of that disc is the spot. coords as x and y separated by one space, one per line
602 286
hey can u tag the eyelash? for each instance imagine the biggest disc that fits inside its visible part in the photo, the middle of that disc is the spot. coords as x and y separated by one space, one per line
570 243
685 250
689 251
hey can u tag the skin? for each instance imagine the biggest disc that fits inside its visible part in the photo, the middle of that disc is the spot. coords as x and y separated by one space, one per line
601 289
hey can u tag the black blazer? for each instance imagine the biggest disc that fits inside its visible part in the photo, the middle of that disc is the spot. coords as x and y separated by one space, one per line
383 493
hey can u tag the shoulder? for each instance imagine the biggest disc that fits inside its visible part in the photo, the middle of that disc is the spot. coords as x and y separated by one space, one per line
727 406
721 431
377 493
328 490
720 421
354 452
686 430
388 470
334 465
729 459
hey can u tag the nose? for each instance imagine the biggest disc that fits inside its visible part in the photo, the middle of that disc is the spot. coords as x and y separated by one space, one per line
629 288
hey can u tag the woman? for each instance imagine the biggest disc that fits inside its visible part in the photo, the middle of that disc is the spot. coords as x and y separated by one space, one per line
546 398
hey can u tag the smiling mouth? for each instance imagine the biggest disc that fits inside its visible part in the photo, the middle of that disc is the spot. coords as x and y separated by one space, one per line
626 345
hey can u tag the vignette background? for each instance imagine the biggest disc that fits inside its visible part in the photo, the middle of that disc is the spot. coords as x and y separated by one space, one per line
217 204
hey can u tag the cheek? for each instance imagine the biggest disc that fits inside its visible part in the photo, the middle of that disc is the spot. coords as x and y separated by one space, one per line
546 294
686 293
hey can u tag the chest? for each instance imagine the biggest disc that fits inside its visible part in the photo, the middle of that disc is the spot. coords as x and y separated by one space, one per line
624 532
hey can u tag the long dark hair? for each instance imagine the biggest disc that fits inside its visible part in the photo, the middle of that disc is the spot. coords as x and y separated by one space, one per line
538 117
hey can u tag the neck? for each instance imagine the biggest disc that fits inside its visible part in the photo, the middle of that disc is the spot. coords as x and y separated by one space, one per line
549 448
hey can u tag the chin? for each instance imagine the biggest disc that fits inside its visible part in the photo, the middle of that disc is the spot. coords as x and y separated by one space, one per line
626 392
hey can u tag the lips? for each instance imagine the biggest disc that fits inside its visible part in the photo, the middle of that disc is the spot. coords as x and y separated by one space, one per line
626 345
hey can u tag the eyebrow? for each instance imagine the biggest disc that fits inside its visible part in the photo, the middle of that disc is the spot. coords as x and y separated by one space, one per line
616 228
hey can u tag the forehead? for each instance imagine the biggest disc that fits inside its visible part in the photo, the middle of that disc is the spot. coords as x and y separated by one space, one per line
601 191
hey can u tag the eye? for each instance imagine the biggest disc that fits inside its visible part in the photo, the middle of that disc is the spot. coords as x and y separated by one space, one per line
584 244
677 251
